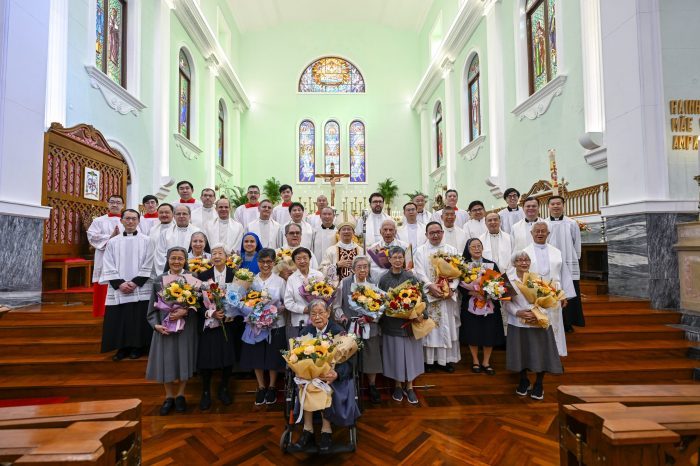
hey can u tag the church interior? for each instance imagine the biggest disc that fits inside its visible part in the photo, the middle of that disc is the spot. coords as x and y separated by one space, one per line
593 102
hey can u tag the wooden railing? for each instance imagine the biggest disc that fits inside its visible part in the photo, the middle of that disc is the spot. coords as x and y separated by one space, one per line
579 202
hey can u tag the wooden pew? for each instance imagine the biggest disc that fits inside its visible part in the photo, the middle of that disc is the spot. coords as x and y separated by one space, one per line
64 414
629 395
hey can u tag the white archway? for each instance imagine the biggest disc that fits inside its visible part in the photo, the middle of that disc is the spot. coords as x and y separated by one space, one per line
132 189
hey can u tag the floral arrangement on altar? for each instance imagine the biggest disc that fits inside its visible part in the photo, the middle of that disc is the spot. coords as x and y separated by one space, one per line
317 288
199 264
582 226
542 294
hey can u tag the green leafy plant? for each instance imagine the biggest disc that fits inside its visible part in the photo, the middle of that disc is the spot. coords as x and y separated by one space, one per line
236 195
389 190
271 190
413 194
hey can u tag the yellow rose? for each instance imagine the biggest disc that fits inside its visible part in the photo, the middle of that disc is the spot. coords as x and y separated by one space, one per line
309 350
293 358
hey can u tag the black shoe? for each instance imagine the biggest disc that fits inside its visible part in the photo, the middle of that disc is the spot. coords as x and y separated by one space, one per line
260 396
168 405
326 442
569 329
489 370
476 368
374 395
430 368
271 396
180 404
306 442
205 401
121 354
225 396
523 387
537 392
135 353
449 368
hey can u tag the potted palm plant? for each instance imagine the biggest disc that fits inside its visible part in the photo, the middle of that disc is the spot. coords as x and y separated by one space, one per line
389 190
271 190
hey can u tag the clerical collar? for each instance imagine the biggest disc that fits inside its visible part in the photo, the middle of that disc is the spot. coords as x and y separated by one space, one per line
495 234
109 214
132 234
223 220
188 201
513 210
153 215
556 219
531 221
540 246
182 228
332 227
248 205
208 208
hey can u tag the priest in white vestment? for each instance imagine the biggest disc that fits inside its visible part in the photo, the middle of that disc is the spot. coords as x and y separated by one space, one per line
423 214
454 235
165 217
461 216
268 230
248 212
307 233
325 236
179 235
412 231
205 214
100 231
292 240
520 233
225 230
150 217
314 219
441 345
375 217
498 246
280 213
339 256
476 225
378 267
512 214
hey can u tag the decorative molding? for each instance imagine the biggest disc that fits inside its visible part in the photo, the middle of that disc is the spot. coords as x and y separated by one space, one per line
538 103
222 173
164 189
22 209
438 173
116 96
651 206
471 150
189 150
597 158
591 140
493 184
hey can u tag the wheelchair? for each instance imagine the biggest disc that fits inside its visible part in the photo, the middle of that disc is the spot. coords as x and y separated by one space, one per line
291 412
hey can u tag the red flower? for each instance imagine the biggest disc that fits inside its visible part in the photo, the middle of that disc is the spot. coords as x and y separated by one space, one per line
394 305
407 306
214 286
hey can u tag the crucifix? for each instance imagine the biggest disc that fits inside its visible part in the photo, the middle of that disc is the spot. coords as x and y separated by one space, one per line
333 178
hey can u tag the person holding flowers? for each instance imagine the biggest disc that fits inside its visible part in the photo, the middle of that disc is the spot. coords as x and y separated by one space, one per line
265 355
531 345
402 354
173 356
250 246
356 290
216 349
482 324
294 301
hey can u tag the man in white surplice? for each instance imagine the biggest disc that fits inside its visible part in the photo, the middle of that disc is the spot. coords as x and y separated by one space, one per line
296 211
461 215
179 235
475 226
165 217
441 346
314 219
325 236
280 213
149 219
387 240
225 230
248 212
423 214
267 229
412 231
454 235
520 233
512 213
546 261
204 215
374 220
497 243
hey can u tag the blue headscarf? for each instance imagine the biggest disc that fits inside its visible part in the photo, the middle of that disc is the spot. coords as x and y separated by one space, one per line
251 264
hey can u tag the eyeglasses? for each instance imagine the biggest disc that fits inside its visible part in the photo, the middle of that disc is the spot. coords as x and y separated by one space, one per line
294 233
524 259
317 314
114 202
435 233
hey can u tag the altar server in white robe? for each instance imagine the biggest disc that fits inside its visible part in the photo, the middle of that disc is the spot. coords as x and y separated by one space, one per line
179 235
546 261
337 259
565 235
375 217
512 214
423 214
412 231
185 190
475 226
165 217
127 265
204 215
441 345
225 230
520 233
461 216
387 241
326 235
498 246
296 210
248 212
149 219
454 235
268 230
280 213
100 231
314 219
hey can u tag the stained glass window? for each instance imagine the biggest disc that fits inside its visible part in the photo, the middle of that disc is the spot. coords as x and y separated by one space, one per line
184 102
542 42
358 160
307 152
333 75
222 126
474 96
110 39
331 147
439 131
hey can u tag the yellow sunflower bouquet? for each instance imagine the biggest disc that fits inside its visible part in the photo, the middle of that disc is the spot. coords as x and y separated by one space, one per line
199 264
234 261
405 301
176 295
368 301
283 260
317 288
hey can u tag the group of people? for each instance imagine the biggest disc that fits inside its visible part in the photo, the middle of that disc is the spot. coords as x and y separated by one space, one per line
138 254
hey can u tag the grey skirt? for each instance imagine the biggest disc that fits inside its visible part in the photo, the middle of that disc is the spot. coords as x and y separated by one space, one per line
174 357
533 349
402 358
371 354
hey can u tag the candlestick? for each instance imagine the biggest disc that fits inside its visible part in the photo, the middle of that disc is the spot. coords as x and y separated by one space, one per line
553 171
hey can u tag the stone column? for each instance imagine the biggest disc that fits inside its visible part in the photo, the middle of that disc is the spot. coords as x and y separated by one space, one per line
211 106
424 147
450 115
162 181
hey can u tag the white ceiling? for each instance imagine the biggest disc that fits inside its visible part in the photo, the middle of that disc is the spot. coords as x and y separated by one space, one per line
256 15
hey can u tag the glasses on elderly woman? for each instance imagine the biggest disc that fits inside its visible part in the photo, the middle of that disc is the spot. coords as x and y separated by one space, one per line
317 314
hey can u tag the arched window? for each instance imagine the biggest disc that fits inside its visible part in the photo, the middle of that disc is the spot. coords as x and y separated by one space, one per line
222 133
110 42
333 75
184 95
358 167
439 131
331 147
307 152
541 42
474 98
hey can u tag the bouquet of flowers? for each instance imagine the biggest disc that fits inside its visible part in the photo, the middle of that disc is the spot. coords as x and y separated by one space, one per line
260 316
447 267
380 256
199 264
369 302
213 298
244 278
178 293
283 260
318 288
471 272
542 294
582 226
234 261
490 286
405 301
